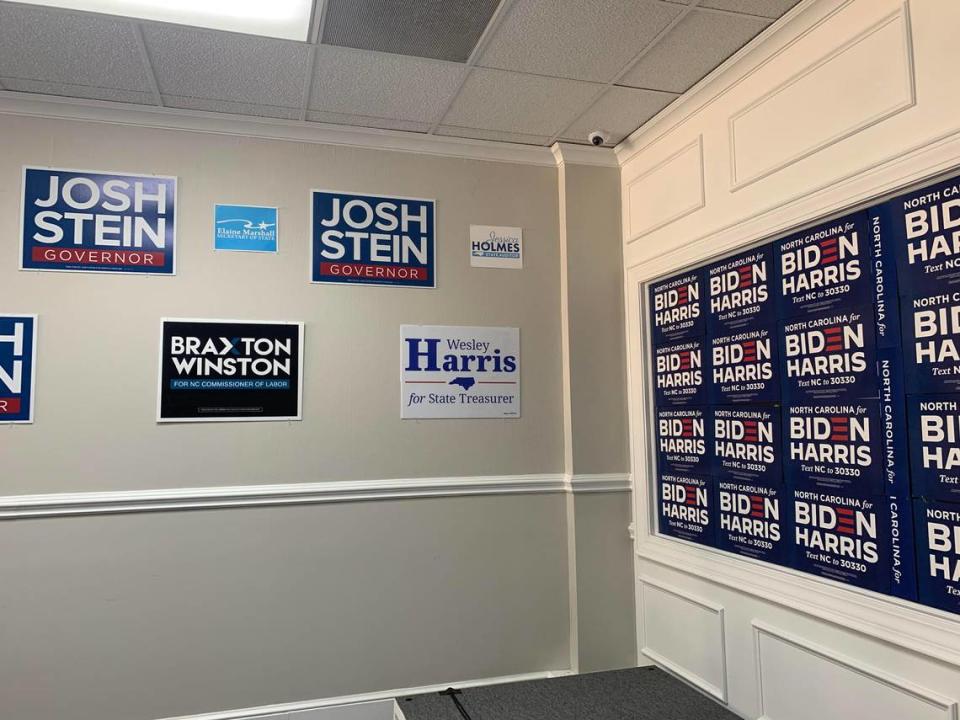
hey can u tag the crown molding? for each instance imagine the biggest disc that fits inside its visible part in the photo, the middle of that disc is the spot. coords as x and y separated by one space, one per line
63 108
573 154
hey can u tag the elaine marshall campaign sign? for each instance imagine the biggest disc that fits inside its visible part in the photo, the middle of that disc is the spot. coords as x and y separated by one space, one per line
18 362
372 240
245 228
230 370
683 443
492 246
938 554
681 372
741 291
826 267
80 221
744 366
754 520
678 307
746 444
685 507
931 342
459 372
935 446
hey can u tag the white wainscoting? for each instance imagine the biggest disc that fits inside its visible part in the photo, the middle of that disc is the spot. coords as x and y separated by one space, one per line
685 635
668 191
798 680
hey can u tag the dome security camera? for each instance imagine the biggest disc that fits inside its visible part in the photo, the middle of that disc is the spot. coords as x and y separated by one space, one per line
597 137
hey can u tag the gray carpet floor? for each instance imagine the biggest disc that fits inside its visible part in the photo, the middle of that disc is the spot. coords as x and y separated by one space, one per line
634 694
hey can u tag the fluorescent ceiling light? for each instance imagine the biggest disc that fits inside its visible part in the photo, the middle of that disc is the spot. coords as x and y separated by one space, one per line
289 19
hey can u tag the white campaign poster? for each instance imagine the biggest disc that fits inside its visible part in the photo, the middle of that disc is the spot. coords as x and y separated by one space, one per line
459 372
494 246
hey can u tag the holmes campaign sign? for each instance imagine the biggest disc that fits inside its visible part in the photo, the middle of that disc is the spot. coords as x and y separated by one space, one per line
18 362
935 446
677 307
459 372
680 373
81 221
372 240
931 342
740 291
747 444
230 370
683 440
492 246
826 267
686 507
859 541
754 520
744 367
938 554
829 356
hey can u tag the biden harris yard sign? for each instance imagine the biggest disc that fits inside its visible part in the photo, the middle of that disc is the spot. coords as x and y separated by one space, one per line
82 221
459 372
372 240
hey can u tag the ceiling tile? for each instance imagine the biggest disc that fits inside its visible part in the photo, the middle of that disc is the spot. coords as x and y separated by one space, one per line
78 91
231 108
195 63
510 102
355 82
580 39
767 8
619 112
70 48
474 134
694 47
367 121
439 29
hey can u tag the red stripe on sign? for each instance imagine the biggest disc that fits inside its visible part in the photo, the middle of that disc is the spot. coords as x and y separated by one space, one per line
845 530
756 514
839 420
9 406
845 511
368 271
828 242
749 345
76 256
839 437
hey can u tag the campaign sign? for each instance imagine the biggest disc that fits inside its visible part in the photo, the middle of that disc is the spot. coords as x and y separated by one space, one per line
746 444
493 246
886 298
855 540
683 442
230 370
677 307
754 520
372 240
922 228
935 446
680 373
744 367
834 448
741 291
686 507
245 228
18 362
829 356
82 221
893 420
459 372
825 267
931 342
938 554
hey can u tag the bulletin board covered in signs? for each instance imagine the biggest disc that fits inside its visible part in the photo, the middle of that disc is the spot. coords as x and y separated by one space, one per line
806 398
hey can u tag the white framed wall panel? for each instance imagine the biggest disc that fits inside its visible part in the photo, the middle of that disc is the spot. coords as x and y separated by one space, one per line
798 680
684 634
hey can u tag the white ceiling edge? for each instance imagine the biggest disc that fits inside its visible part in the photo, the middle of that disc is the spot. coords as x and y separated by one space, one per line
725 76
66 108
583 155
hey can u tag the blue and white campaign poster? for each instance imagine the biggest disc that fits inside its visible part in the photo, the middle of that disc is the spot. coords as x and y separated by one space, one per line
931 341
826 267
230 370
80 221
245 228
744 366
935 446
754 520
681 372
678 307
372 240
938 554
494 246
459 372
686 507
18 362
741 291
747 444
683 440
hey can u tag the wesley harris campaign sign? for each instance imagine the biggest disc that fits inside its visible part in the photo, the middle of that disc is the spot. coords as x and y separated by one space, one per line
459 372
81 221
372 240
18 362
219 370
